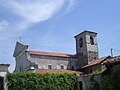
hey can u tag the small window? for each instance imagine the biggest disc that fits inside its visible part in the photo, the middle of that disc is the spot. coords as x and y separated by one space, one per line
49 66
20 68
80 85
72 68
61 67
95 58
91 40
81 42
36 66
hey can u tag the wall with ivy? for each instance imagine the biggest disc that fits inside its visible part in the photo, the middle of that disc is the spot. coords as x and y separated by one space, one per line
110 78
90 82
37 81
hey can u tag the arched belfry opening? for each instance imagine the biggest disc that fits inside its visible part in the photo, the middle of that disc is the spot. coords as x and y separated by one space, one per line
81 42
91 40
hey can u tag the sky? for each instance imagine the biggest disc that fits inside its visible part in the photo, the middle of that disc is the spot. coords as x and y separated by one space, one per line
50 25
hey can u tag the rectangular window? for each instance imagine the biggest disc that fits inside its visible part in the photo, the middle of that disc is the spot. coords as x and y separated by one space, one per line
49 66
72 67
61 67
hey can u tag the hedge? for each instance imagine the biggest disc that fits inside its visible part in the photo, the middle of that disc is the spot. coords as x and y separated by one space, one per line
45 81
94 84
108 83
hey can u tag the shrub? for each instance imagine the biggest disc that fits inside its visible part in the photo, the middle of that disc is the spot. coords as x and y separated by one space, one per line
108 83
94 84
107 71
95 72
37 81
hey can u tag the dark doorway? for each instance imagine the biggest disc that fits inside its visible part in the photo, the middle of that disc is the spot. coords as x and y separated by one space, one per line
81 85
1 83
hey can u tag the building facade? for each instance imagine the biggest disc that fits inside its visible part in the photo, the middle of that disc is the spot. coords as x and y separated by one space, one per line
3 72
86 51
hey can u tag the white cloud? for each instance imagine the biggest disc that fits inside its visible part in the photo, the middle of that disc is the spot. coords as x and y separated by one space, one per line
28 12
35 11
71 4
21 14
31 12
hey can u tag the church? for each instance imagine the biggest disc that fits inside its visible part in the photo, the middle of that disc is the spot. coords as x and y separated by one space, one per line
86 52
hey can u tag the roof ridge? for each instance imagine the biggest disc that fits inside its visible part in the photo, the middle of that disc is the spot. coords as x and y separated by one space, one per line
96 61
49 52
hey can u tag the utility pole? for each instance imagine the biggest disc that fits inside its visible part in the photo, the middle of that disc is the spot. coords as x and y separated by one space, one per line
111 52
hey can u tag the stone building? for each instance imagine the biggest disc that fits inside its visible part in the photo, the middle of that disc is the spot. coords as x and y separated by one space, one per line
86 51
3 72
96 65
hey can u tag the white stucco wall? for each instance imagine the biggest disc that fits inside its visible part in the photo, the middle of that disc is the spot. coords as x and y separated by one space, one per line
22 63
3 72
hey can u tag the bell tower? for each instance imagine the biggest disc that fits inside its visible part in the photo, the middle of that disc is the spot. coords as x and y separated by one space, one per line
86 47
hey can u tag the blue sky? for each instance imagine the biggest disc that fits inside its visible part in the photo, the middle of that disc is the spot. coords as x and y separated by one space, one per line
50 25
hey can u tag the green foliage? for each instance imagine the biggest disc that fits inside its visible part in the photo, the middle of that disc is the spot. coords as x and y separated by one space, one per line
37 81
94 84
96 72
108 83
107 71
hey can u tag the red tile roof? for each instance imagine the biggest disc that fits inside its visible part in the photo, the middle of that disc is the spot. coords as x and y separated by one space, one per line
97 61
56 71
4 64
112 60
49 54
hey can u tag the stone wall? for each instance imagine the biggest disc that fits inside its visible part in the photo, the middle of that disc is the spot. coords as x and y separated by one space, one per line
55 62
84 81
98 67
22 63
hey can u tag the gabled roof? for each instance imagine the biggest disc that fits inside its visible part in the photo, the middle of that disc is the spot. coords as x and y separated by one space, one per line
112 61
19 48
97 61
85 32
50 54
56 71
5 65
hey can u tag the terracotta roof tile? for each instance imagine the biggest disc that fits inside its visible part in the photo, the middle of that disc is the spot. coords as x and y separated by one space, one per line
4 64
112 60
56 71
97 61
50 54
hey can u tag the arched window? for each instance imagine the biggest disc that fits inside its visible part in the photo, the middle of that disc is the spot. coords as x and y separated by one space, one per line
1 83
49 66
61 67
91 40
81 42
80 85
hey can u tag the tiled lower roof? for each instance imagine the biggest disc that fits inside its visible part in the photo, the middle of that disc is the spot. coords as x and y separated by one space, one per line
95 62
50 54
112 61
4 64
56 71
